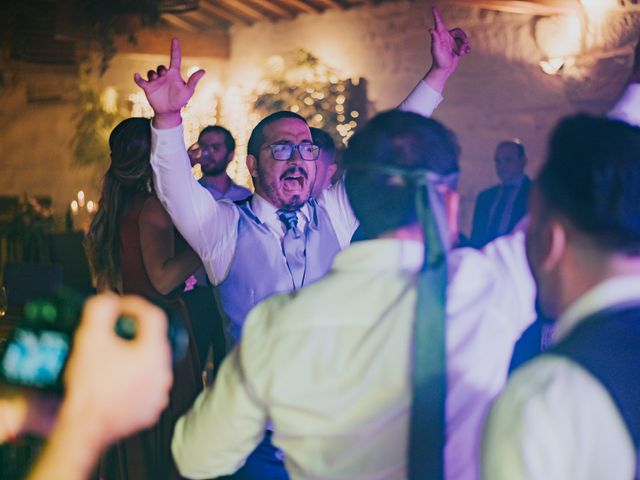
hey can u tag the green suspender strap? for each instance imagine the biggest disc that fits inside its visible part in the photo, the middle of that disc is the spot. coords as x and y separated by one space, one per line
428 427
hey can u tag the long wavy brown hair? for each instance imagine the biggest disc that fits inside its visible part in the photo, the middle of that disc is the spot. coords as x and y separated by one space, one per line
128 174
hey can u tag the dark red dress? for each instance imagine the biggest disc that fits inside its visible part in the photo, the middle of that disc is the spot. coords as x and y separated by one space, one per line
147 455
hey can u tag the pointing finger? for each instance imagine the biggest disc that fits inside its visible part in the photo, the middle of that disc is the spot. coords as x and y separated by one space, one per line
437 20
176 58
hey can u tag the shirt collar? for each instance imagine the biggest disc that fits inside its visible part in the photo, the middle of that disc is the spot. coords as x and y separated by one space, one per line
381 254
268 214
610 292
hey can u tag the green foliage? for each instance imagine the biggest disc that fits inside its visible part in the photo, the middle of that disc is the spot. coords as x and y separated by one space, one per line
93 126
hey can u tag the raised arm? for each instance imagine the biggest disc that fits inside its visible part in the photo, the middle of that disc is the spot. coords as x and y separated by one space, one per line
447 46
207 225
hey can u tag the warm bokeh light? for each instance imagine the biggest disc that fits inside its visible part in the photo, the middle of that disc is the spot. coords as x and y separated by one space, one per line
109 100
552 66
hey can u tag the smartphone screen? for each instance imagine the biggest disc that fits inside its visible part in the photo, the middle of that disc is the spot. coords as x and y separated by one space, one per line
35 358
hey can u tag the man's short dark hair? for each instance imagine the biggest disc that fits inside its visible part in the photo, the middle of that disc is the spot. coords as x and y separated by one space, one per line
324 141
592 177
229 141
257 134
400 139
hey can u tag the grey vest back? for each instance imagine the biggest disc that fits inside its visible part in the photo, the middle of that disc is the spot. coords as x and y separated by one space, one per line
607 345
259 268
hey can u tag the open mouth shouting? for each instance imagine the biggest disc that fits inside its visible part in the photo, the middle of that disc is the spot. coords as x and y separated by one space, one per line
294 179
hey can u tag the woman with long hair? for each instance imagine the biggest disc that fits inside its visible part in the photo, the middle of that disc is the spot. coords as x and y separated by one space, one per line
133 247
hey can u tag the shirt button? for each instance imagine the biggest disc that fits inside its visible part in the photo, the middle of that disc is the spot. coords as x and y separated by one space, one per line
279 455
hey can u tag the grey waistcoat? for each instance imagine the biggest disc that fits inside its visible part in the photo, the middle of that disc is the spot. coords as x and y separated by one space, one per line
259 268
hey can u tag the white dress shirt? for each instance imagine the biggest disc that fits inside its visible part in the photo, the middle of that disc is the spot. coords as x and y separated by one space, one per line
329 366
555 421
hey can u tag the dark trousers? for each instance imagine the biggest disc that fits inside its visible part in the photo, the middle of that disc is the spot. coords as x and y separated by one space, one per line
266 462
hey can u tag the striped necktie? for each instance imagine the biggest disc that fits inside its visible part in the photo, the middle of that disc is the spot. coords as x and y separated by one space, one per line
293 247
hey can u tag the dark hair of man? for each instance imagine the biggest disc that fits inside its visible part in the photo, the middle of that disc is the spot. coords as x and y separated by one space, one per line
324 141
383 203
229 141
519 147
256 140
129 173
592 177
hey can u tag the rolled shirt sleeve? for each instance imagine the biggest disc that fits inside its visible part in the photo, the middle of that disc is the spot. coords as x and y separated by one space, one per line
422 100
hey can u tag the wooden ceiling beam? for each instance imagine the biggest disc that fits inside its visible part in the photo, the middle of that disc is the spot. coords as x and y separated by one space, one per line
302 6
244 9
204 21
273 8
176 21
156 41
535 8
207 6
333 4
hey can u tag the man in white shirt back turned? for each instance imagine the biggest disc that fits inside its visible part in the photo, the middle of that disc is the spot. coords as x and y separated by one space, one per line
328 366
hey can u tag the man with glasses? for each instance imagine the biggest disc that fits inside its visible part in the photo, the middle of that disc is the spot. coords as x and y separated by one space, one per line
281 239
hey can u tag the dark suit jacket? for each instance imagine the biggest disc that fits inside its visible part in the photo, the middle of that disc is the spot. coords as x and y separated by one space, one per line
480 234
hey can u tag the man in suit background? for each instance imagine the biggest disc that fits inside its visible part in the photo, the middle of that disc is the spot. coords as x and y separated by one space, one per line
499 208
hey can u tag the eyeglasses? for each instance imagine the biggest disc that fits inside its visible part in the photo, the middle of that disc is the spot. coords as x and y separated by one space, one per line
284 151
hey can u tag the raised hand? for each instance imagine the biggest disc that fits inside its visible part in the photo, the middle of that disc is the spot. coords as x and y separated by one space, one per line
166 91
447 46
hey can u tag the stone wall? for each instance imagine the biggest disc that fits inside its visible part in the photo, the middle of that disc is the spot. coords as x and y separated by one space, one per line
35 138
